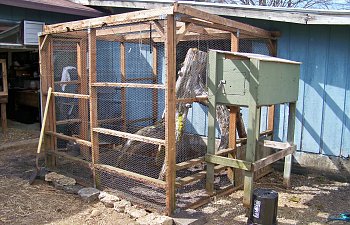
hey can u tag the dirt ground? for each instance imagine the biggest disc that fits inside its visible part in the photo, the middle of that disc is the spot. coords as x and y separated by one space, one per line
310 200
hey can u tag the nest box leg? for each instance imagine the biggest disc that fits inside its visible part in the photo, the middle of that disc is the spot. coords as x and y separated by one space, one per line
290 139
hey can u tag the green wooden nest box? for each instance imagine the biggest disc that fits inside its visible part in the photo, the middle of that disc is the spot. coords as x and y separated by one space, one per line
238 78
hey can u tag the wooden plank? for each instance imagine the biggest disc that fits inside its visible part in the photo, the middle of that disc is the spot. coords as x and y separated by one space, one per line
261 163
189 163
132 175
290 139
159 28
128 85
71 158
276 144
217 22
190 100
230 162
170 109
70 95
123 80
182 32
69 138
43 42
125 135
252 140
271 109
122 30
232 138
197 176
155 81
69 121
68 82
212 124
234 111
124 18
83 107
93 104
3 117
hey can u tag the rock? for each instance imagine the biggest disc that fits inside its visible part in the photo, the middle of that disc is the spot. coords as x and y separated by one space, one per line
163 220
108 199
95 213
189 217
146 220
59 179
155 219
120 206
72 189
134 212
89 194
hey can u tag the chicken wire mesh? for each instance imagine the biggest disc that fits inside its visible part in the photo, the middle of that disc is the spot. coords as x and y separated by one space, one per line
124 54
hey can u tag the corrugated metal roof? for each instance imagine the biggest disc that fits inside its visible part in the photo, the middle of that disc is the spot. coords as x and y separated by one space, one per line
59 6
290 15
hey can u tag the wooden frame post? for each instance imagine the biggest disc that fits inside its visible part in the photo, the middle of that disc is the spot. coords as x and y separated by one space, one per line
83 106
123 89
252 140
290 139
3 95
93 104
272 46
47 80
211 126
234 111
170 97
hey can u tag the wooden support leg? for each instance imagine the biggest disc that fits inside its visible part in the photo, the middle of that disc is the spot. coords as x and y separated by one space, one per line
290 139
253 135
3 117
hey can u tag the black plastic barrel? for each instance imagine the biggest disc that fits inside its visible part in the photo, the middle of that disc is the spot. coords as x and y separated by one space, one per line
264 208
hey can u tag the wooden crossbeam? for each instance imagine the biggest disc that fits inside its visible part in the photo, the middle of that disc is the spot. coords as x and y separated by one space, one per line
128 85
235 163
132 175
70 95
69 138
261 163
126 135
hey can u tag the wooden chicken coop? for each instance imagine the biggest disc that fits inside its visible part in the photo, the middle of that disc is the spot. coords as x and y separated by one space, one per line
129 103
3 93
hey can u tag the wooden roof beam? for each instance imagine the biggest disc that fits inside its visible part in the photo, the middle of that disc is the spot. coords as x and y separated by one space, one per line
221 21
125 18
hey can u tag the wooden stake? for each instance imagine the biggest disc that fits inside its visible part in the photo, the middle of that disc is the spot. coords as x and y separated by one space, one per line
170 96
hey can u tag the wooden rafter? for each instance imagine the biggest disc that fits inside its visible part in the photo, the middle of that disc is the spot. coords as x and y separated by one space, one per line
124 18
218 20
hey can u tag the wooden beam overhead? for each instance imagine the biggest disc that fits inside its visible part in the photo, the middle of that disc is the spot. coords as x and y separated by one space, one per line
254 31
124 18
